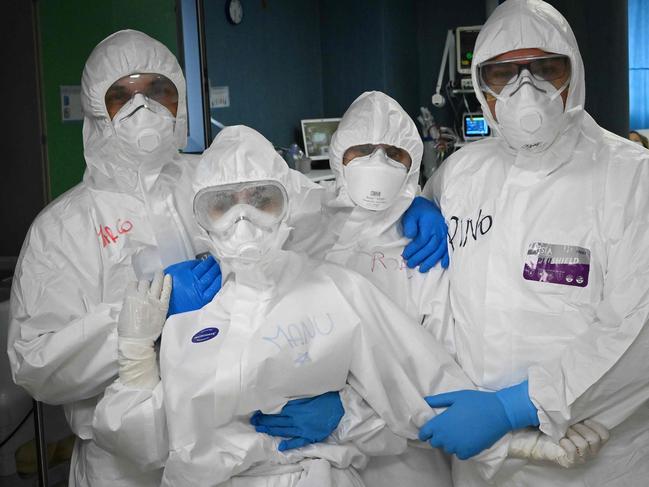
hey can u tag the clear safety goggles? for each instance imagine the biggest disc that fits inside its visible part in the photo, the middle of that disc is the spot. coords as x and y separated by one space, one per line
263 203
363 150
495 75
151 85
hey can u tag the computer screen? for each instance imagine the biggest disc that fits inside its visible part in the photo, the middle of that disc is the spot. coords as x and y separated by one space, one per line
475 126
317 136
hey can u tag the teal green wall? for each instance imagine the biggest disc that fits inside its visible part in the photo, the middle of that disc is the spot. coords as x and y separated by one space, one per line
295 59
368 45
271 63
69 30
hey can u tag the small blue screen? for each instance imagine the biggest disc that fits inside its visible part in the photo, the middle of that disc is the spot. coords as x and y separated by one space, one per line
476 126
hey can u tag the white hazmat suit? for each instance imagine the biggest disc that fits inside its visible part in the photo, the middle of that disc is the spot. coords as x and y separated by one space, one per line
119 223
516 218
370 243
284 328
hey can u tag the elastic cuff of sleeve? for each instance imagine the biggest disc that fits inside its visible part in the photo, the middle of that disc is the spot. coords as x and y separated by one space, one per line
138 365
518 407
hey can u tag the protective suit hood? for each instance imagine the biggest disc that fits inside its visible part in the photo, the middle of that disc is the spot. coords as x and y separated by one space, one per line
120 54
240 154
521 24
373 118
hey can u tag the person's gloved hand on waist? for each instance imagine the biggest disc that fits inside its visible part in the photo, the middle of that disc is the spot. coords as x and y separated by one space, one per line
424 223
195 283
475 420
302 421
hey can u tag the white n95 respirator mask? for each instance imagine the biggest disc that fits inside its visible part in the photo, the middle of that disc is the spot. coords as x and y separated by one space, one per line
374 181
144 127
530 113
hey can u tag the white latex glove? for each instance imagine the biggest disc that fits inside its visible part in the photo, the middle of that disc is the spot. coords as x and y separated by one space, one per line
140 323
581 443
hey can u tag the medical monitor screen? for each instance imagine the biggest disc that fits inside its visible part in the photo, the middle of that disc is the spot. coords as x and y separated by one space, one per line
317 137
475 126
465 38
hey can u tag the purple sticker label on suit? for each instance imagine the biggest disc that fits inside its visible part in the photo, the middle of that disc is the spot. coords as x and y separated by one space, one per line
557 264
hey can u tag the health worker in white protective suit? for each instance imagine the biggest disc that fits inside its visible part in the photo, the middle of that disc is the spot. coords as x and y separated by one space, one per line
119 224
549 276
377 150
283 326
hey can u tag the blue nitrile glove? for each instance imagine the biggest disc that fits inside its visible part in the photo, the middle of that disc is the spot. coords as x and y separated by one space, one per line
302 421
424 223
195 283
475 420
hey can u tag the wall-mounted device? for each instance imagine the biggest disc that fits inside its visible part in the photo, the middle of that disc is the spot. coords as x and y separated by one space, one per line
474 126
466 84
462 44
234 11
465 38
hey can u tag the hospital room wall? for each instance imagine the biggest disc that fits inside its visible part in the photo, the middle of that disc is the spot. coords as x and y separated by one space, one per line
390 45
22 185
601 29
369 45
301 59
69 30
271 63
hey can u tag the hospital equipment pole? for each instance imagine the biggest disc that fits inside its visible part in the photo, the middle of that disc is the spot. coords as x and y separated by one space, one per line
41 445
